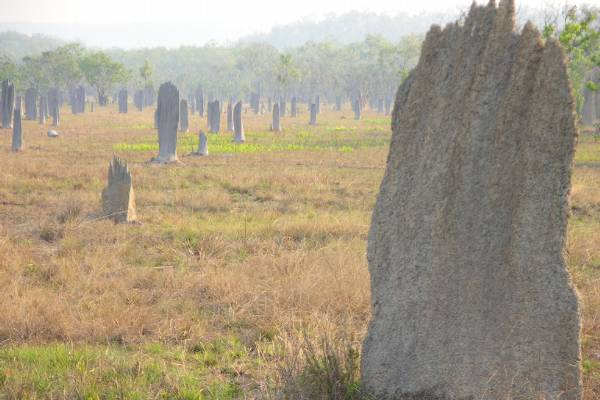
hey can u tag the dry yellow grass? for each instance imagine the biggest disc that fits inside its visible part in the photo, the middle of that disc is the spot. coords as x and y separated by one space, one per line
255 250
258 245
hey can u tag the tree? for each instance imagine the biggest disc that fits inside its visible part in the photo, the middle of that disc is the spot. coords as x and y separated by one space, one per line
8 69
146 72
102 73
578 30
63 65
256 65
318 63
286 72
34 72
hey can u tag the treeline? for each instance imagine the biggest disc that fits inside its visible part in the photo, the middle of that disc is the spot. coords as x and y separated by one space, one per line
64 68
374 68
370 69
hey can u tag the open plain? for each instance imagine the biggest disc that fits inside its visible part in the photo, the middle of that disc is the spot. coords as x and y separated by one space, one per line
245 275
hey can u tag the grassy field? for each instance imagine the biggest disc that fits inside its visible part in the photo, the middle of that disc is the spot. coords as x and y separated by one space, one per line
245 278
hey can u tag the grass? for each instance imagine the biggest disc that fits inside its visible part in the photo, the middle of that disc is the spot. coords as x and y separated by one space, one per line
245 277
328 369
94 372
238 256
340 138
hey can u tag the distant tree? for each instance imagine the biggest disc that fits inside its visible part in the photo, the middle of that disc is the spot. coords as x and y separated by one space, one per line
407 53
8 69
63 65
321 66
146 72
286 72
34 72
256 64
103 73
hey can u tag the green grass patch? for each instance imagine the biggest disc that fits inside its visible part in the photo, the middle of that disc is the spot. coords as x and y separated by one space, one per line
260 142
590 367
340 129
377 121
588 153
135 127
107 372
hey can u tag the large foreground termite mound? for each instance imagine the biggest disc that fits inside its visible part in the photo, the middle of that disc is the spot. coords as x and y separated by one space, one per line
471 295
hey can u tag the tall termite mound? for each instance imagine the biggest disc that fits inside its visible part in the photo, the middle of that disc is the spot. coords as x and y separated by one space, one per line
470 292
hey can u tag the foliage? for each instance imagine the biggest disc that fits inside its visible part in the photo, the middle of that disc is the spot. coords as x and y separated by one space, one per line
63 65
325 68
33 72
146 72
286 72
102 72
374 67
58 67
578 30
8 68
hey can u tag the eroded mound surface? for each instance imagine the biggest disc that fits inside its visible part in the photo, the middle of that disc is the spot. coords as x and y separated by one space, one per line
470 292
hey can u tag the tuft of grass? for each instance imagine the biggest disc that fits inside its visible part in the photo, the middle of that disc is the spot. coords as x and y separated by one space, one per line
70 213
51 233
328 369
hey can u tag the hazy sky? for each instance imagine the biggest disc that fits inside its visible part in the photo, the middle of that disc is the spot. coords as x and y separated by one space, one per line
219 20
247 13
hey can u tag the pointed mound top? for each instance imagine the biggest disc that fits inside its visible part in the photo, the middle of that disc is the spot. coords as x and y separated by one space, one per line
503 14
118 171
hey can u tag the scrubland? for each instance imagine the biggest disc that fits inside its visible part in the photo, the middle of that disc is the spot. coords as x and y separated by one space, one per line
246 276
